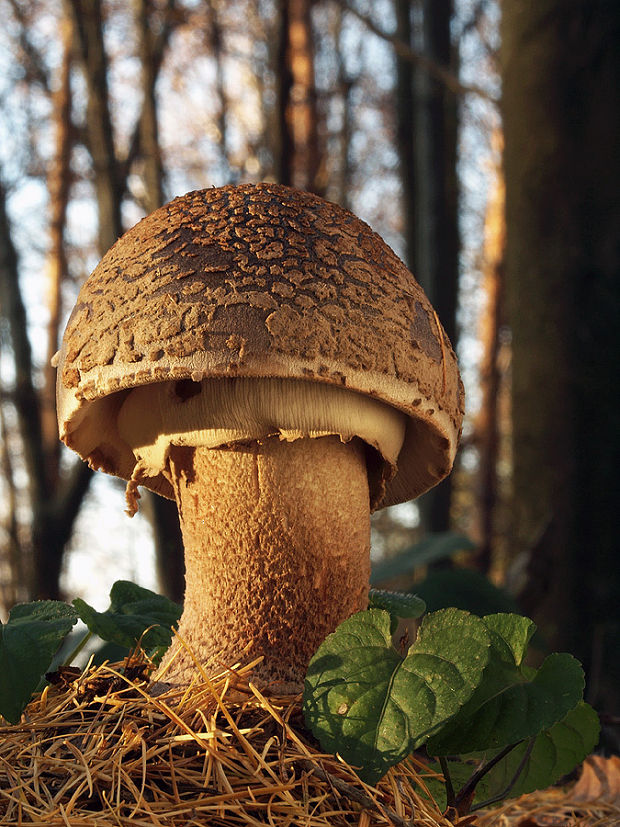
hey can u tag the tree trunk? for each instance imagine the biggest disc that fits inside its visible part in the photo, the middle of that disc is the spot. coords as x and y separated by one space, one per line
437 243
283 136
346 85
54 506
164 516
488 422
88 25
299 155
24 395
152 169
217 48
14 588
406 110
561 73
59 184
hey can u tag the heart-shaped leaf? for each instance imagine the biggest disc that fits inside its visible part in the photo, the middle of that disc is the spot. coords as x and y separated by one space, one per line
366 702
28 642
555 753
133 609
513 702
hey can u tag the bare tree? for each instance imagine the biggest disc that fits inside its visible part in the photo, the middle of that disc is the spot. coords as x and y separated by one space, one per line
54 494
53 503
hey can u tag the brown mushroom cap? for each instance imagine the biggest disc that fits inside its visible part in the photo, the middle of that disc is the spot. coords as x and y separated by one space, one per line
258 281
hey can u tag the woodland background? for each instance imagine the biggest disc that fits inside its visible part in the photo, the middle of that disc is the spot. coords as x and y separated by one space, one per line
480 138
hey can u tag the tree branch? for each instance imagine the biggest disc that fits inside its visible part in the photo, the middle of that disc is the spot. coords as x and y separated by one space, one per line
158 50
86 16
435 70
37 69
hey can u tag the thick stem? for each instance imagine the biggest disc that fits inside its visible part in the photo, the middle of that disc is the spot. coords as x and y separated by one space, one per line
277 538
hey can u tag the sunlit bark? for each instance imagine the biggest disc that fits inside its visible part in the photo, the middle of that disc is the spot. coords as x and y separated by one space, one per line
59 182
488 428
299 154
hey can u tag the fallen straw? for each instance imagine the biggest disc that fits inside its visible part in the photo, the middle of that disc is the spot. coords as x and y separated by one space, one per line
220 754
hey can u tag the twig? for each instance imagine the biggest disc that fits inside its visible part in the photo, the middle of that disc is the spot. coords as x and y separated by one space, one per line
434 69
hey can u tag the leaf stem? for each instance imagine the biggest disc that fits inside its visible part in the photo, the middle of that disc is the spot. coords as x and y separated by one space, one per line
76 651
450 796
504 793
465 794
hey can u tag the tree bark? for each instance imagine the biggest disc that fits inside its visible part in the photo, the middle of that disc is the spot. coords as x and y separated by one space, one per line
152 168
283 136
561 72
299 151
59 184
87 20
487 424
436 262
406 106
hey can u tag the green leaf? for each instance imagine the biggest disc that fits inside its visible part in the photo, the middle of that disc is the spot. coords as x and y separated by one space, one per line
556 752
132 611
430 549
513 702
396 603
28 643
364 701
510 635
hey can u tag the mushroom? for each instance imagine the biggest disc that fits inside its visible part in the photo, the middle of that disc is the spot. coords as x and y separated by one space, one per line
261 356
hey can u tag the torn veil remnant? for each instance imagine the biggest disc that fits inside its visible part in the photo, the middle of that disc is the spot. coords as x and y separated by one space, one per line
263 357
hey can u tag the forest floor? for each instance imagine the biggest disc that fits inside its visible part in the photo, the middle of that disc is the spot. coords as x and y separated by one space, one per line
97 750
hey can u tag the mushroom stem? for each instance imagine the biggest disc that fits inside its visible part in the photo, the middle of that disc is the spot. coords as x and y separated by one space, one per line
277 539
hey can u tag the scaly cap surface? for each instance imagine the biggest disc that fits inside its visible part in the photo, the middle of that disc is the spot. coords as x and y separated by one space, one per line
258 281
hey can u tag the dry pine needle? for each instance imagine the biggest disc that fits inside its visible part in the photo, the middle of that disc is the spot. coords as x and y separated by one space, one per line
99 750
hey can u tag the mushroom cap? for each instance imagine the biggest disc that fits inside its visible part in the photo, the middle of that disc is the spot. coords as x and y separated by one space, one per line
258 280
